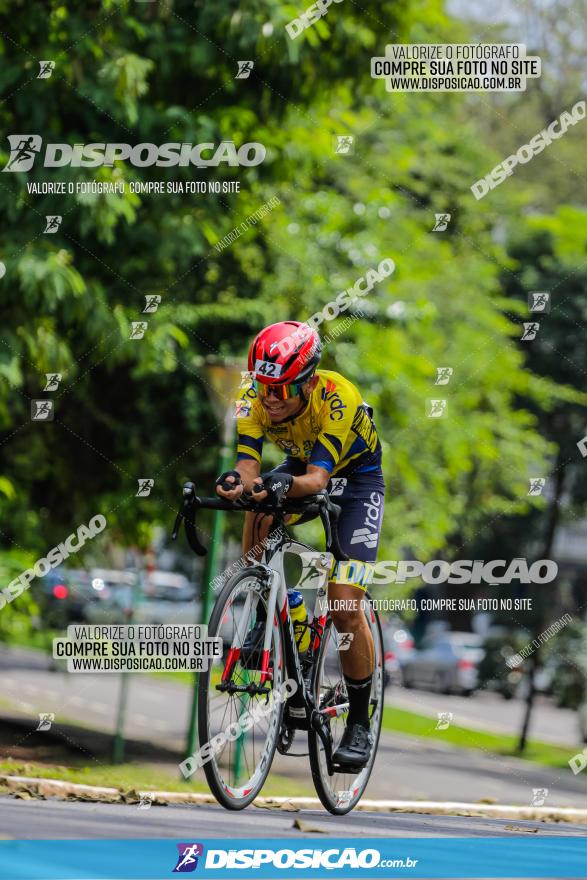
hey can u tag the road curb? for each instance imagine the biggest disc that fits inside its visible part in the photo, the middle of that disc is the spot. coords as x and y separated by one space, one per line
37 787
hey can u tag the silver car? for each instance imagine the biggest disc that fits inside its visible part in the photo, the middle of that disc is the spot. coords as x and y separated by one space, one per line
166 597
446 662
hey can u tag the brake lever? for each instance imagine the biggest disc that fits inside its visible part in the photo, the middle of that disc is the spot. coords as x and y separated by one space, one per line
185 513
188 493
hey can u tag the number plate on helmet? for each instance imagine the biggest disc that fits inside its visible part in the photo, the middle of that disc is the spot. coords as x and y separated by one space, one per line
268 368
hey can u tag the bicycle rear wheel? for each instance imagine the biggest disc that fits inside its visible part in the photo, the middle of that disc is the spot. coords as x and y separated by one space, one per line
238 731
341 792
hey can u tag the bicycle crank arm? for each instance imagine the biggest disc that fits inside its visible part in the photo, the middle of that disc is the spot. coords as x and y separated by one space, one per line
335 711
322 728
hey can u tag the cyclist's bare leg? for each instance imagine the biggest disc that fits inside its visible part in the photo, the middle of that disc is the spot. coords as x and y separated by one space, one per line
256 528
348 617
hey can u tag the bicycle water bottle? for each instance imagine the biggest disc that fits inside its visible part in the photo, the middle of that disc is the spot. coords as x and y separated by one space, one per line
299 616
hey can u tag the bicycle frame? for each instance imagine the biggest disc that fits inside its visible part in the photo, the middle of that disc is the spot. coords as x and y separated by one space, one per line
272 568
272 564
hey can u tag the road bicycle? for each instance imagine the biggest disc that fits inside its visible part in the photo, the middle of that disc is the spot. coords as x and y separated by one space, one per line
254 697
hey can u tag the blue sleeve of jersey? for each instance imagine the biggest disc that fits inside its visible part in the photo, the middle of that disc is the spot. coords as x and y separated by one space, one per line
321 457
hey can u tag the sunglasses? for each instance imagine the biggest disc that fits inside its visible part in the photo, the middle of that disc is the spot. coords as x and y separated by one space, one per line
281 392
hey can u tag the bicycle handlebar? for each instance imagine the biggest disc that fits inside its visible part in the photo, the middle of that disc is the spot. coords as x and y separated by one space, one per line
318 505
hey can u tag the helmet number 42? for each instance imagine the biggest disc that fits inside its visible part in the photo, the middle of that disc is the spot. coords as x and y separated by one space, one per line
268 368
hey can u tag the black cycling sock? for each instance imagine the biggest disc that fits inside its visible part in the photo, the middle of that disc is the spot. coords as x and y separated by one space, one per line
359 691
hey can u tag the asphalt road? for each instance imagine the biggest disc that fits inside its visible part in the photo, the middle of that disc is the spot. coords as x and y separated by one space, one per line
66 820
406 767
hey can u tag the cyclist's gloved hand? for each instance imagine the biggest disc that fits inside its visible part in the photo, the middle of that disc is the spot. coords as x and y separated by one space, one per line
224 484
276 485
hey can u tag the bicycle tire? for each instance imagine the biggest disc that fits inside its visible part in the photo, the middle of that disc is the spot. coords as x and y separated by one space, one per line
225 794
331 799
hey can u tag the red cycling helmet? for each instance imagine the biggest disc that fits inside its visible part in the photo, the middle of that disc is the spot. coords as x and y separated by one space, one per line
285 353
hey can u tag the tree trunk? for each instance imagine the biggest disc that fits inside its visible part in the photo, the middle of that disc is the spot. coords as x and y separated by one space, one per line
552 521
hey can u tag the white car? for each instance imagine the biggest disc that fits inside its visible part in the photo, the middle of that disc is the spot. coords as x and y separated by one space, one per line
445 662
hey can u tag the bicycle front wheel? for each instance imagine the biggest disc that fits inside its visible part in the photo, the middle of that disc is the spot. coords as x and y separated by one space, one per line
239 714
341 792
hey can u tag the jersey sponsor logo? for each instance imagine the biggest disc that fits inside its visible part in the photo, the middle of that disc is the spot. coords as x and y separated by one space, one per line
364 428
288 446
333 398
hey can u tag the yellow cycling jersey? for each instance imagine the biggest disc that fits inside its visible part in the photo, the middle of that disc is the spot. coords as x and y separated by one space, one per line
333 431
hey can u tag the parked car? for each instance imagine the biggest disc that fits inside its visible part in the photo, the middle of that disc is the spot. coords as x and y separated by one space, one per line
398 644
165 597
168 597
446 662
114 596
62 596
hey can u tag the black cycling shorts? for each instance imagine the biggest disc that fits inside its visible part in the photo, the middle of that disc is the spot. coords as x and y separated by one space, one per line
361 500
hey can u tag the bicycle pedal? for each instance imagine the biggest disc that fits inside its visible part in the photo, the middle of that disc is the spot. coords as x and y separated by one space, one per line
344 768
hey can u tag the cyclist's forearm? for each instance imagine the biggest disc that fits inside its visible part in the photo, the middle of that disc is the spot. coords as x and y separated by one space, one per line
249 471
308 484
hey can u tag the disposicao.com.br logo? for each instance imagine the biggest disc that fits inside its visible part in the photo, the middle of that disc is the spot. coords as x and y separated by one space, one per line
24 149
331 859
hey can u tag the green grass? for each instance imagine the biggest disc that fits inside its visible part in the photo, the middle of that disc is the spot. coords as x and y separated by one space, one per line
414 724
140 777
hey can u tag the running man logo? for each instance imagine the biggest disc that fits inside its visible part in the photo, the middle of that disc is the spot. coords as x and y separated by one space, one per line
444 719
152 302
344 641
539 301
244 69
23 151
42 410
530 331
539 795
441 222
536 486
344 144
53 380
46 719
436 409
309 575
52 223
187 859
145 487
337 485
138 329
315 566
443 375
46 69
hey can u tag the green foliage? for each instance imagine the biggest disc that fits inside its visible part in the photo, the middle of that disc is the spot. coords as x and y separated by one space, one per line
17 619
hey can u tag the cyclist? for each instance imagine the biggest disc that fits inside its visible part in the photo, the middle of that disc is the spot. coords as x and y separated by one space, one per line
319 420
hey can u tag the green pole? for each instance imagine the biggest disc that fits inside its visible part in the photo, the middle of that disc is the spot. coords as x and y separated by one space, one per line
210 569
118 745
240 743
